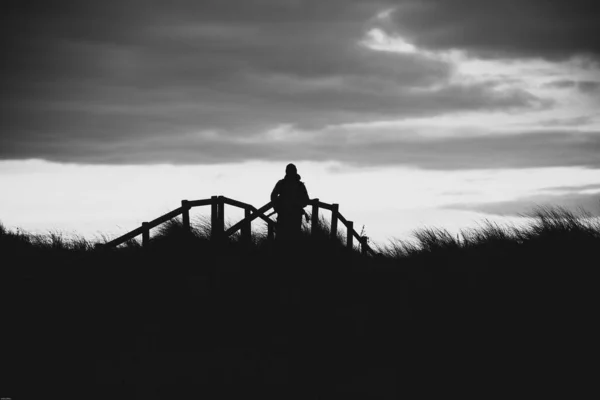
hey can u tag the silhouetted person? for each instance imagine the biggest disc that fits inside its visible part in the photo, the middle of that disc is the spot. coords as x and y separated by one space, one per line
289 198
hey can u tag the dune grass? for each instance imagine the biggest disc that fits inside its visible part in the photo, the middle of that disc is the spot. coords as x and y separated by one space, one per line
443 313
545 225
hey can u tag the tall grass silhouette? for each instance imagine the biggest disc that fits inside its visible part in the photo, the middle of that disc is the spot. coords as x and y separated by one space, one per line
495 308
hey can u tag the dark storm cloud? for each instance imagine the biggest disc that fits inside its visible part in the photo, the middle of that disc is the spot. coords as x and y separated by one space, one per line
573 201
585 86
572 121
570 188
507 28
498 151
84 80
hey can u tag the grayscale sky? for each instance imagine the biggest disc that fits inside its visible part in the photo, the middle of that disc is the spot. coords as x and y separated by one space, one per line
406 112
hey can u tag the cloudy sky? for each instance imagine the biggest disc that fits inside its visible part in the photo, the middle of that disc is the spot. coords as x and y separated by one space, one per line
406 113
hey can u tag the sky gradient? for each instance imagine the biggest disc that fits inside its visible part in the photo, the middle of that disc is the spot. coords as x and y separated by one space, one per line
446 111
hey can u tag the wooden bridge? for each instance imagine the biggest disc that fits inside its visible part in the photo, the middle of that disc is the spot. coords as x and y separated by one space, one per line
217 206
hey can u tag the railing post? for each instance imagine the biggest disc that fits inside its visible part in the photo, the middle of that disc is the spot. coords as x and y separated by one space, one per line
185 215
363 244
335 209
221 218
349 234
214 216
247 228
314 224
270 235
145 234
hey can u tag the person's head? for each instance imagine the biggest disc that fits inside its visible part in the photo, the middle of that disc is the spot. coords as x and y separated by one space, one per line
291 170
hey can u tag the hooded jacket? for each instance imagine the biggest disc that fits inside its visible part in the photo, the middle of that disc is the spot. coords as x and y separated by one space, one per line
289 195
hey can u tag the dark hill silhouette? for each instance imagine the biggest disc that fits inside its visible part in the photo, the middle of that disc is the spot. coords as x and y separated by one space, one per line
494 311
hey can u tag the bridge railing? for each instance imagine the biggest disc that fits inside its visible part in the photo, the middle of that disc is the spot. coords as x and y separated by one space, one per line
217 205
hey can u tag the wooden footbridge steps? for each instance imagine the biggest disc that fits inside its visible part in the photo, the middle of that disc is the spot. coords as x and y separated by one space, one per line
217 207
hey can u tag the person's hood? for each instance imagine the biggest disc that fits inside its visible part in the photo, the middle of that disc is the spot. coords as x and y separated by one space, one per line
294 177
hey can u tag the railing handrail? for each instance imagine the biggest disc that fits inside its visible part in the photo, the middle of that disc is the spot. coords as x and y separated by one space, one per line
318 203
149 225
256 213
362 239
251 214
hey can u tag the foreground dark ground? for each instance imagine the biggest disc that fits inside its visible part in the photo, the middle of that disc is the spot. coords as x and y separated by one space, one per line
499 312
